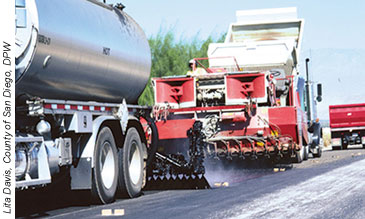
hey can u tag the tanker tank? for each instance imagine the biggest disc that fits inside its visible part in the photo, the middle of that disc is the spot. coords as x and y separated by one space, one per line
79 50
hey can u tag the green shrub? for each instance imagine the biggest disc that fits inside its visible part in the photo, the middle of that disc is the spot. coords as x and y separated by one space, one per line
171 57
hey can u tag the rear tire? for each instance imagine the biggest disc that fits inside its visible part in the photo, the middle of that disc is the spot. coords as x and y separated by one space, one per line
319 153
105 171
131 162
299 156
306 153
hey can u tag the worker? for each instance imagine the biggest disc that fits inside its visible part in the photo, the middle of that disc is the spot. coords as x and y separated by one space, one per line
191 67
195 70
315 128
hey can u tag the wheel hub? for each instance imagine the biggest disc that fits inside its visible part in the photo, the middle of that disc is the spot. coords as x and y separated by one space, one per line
107 165
135 163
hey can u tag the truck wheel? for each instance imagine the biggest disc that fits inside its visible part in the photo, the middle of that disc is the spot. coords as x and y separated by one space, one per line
105 171
319 153
299 156
363 146
306 152
131 165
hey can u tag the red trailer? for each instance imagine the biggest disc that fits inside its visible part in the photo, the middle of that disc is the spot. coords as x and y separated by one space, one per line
347 124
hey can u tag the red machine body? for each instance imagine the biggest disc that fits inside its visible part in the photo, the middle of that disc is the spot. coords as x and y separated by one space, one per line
347 124
240 113
247 102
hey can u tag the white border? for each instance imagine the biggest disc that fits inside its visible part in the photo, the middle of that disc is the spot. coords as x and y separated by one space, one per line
7 163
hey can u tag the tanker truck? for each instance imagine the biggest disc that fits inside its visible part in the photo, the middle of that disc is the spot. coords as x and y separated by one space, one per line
246 103
80 67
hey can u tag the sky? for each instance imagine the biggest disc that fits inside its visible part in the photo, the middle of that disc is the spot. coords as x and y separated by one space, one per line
328 23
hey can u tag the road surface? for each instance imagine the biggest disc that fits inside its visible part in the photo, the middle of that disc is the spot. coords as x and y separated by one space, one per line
330 187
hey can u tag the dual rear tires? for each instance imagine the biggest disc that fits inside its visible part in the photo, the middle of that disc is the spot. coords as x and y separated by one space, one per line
105 171
117 170
131 165
302 154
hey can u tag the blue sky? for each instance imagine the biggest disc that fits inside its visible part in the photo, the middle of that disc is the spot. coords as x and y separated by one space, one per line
328 23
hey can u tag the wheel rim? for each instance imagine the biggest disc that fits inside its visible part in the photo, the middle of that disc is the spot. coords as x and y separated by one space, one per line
107 162
135 163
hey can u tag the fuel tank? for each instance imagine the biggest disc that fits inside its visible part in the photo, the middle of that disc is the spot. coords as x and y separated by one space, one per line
79 50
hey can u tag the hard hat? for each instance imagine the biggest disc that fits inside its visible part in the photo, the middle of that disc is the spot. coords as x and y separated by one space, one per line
191 61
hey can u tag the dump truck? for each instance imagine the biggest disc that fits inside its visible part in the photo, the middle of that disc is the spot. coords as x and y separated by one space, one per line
245 101
347 123
80 67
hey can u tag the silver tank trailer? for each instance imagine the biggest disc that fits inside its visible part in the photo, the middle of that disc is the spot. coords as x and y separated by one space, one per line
79 50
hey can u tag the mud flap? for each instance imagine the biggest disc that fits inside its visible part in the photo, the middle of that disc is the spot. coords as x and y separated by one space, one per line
81 175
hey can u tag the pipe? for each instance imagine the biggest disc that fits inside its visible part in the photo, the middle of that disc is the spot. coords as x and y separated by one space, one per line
307 90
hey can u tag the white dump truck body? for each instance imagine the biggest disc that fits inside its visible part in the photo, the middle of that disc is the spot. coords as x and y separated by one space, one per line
264 39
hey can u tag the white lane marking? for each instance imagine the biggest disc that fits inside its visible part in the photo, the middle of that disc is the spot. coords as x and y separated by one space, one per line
78 211
106 212
118 212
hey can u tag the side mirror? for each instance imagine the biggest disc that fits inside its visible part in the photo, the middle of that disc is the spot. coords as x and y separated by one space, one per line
319 92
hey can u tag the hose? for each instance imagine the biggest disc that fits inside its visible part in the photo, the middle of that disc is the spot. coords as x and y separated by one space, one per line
151 151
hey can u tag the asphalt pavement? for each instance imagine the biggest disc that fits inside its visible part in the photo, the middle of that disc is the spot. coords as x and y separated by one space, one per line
332 186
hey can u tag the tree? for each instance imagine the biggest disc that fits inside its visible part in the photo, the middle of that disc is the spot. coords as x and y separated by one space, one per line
171 58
